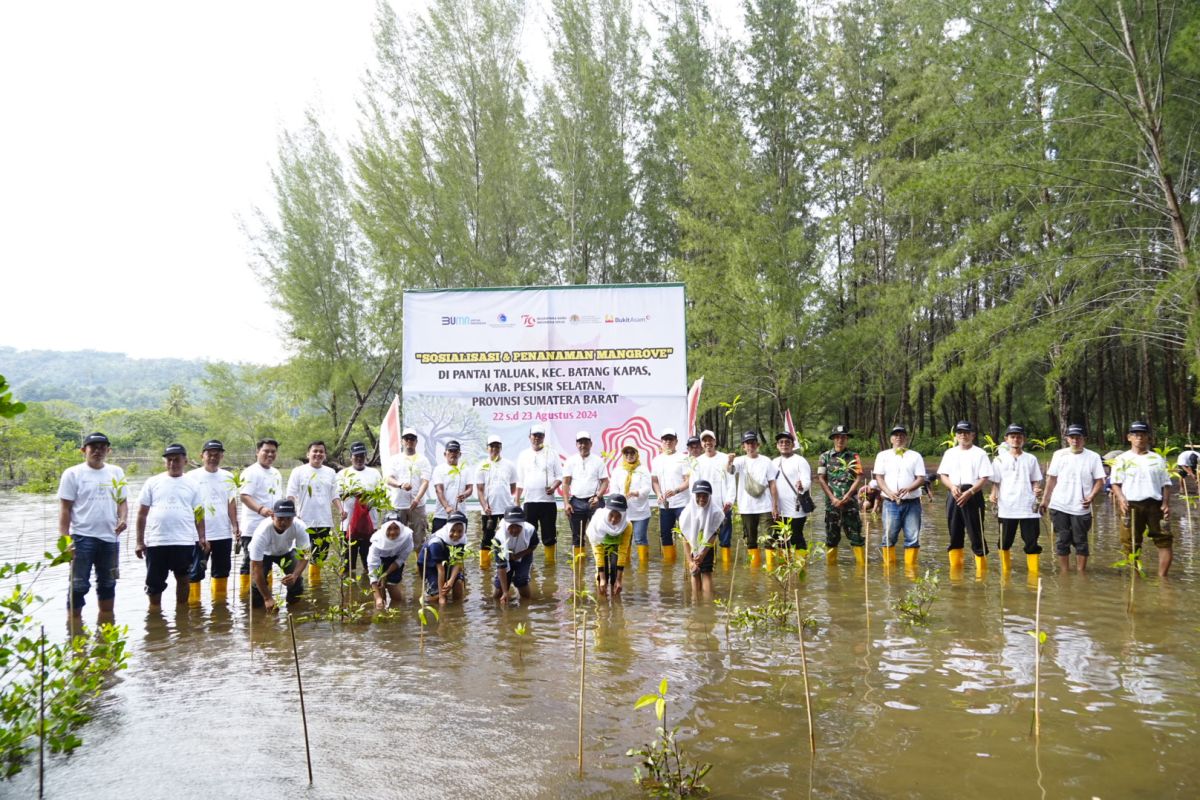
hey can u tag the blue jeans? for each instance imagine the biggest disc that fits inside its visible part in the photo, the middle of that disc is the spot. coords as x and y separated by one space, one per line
641 529
90 553
905 514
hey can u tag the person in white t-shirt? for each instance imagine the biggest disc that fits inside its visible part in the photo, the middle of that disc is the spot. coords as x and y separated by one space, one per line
313 488
539 476
964 470
496 484
1142 487
219 500
259 486
284 540
452 485
631 478
390 547
585 482
92 510
793 484
669 476
757 493
354 485
900 473
1188 462
170 525
1073 480
408 474
1016 488
515 543
711 466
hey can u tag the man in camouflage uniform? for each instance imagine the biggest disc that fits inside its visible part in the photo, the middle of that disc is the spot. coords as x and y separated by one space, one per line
839 471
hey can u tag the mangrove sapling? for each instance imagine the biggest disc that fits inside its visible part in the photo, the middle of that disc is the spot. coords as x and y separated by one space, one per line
737 543
915 605
1132 559
522 632
423 612
1039 638
663 778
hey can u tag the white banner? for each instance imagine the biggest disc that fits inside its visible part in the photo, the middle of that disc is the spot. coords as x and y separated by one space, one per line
608 360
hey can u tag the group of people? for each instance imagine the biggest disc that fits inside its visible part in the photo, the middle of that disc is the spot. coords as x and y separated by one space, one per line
189 522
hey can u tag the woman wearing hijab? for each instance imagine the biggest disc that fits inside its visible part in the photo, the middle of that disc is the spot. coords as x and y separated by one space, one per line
441 560
513 546
633 480
390 548
610 534
699 525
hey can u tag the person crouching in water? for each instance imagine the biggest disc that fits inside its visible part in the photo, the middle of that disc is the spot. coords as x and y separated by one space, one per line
441 560
513 550
700 524
611 535
390 547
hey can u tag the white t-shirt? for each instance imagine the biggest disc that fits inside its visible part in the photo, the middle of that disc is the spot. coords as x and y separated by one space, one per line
965 466
715 470
268 542
1015 477
454 481
1184 459
313 491
537 469
513 544
411 470
216 492
899 471
762 471
639 507
585 474
497 478
1074 474
264 487
672 471
172 503
792 470
382 547
351 480
93 498
1141 477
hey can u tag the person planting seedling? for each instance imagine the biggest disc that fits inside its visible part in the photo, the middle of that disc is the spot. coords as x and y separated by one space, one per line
440 560
513 546
611 535
699 526
390 548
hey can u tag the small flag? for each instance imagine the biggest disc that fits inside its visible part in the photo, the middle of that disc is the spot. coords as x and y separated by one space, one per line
389 433
693 401
788 426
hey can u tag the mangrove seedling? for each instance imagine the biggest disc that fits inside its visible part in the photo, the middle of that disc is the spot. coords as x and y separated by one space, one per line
1039 637
424 610
522 631
915 605
668 773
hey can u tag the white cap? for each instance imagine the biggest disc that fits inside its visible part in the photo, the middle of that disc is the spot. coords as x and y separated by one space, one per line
409 432
538 428
494 439
708 433
582 435
667 432
874 484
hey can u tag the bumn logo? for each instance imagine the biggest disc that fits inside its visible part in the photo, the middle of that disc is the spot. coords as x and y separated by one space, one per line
456 320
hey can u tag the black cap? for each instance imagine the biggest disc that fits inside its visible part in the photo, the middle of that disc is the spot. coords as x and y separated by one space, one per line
392 516
839 430
514 514
701 487
785 435
213 444
617 502
693 440
1139 426
95 438
175 449
284 508
898 429
456 517
1076 430
964 427
358 449
453 446
1014 428
749 436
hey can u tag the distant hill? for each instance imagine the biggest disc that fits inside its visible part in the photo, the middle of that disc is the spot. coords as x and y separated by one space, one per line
98 380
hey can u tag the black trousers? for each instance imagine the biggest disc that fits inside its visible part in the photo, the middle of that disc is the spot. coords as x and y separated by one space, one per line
490 523
966 520
543 517
286 562
222 560
581 515
1029 534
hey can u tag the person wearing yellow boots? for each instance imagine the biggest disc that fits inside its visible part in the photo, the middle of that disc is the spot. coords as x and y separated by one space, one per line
610 535
261 486
670 475
408 475
539 476
964 470
757 493
585 482
92 510
1142 487
900 473
312 486
170 525
632 479
1016 487
711 466
839 471
219 500
1074 479
359 520
794 483
496 483
699 527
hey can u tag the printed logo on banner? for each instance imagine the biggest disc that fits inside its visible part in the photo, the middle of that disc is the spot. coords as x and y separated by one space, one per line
528 320
502 317
456 320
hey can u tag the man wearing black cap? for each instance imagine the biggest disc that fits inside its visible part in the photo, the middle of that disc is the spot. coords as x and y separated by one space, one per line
1073 480
1142 487
260 485
839 471
170 525
282 539
219 499
354 483
451 484
585 482
93 512
1016 487
964 470
757 493
900 473
795 479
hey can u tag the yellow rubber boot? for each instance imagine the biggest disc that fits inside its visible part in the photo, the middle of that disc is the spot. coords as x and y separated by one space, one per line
548 551
831 556
314 574
1005 562
219 589
485 559
726 556
755 557
243 585
643 556
910 561
668 554
194 594
770 558
956 564
860 555
980 567
1031 562
888 552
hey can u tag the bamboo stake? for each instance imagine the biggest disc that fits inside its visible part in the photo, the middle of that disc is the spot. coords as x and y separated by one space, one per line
1037 664
300 687
812 734
42 716
737 543
582 674
71 595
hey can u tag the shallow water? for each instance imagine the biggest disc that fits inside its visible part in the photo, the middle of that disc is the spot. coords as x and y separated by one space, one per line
208 707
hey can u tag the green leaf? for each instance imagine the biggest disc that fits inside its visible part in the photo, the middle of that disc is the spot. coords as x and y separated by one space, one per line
662 687
660 707
645 700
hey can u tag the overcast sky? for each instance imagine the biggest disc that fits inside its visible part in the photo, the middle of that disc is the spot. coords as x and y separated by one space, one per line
136 137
